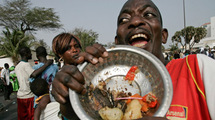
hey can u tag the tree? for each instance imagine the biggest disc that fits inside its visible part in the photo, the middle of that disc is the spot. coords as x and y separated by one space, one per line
200 33
87 37
173 48
18 15
12 41
163 48
36 44
177 39
189 34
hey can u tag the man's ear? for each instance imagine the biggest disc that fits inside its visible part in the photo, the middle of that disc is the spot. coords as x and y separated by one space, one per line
165 35
116 40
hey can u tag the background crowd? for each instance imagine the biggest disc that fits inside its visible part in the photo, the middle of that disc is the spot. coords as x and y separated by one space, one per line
176 54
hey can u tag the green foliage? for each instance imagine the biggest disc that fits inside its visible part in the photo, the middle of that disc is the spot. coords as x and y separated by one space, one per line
189 33
200 33
173 48
87 37
36 44
12 41
177 36
17 14
19 17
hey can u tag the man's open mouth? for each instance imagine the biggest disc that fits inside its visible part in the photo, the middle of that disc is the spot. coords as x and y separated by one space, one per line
139 40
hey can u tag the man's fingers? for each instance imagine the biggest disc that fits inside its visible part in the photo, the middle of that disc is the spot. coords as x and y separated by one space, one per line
89 58
58 97
59 92
102 49
99 47
71 72
74 79
69 77
96 50
92 54
76 86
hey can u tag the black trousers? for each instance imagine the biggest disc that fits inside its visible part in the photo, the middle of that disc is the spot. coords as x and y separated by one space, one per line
8 89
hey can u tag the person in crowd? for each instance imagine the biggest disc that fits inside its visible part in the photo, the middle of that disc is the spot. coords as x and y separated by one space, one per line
186 53
166 56
40 88
67 48
13 78
25 97
203 51
48 74
176 55
206 51
210 54
5 75
1 80
140 24
181 54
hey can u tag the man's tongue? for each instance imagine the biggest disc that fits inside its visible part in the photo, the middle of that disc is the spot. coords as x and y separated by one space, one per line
139 43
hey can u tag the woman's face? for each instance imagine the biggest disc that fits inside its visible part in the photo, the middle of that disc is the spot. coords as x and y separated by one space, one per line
72 53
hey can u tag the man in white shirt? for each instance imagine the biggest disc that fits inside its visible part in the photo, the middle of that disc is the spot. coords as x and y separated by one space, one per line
25 98
5 75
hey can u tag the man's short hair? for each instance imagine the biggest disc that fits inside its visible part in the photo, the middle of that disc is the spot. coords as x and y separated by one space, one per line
41 51
24 50
6 65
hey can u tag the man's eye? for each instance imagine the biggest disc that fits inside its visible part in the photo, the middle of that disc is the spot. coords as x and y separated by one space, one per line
149 15
123 20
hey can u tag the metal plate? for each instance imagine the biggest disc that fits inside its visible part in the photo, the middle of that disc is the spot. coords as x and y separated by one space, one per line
152 77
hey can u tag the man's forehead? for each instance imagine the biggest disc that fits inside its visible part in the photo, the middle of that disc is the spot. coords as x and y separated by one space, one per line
138 3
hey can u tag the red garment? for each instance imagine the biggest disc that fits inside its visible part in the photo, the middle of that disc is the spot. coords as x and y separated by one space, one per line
25 109
188 90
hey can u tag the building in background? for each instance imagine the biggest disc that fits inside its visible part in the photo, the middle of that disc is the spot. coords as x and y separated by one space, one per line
209 40
33 61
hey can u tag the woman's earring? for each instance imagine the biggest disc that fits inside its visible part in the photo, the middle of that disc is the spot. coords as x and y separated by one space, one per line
61 59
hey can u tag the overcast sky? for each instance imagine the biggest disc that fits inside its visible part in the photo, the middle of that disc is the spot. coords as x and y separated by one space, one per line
101 15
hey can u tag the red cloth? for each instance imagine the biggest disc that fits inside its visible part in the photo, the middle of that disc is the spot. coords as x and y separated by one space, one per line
188 90
25 108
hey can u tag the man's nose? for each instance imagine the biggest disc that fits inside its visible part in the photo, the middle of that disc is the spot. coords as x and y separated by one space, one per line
136 21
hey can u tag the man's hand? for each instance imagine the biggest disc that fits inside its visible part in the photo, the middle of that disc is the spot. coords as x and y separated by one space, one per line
71 77
68 77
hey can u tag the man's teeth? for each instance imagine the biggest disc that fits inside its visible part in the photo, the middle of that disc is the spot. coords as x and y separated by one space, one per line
139 45
139 35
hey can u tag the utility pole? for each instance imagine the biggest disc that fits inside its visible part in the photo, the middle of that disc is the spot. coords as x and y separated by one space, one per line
185 25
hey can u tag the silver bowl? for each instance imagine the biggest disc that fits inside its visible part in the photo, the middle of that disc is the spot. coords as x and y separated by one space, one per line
152 77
